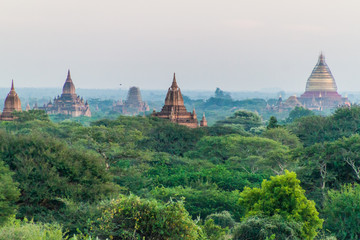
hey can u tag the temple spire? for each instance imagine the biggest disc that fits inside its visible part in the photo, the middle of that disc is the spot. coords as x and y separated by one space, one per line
68 78
321 58
12 84
174 83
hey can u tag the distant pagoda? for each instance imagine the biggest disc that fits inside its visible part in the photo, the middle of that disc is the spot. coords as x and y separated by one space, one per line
174 108
321 90
12 103
133 104
68 103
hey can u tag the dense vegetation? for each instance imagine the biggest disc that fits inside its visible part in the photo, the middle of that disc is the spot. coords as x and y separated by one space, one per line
146 178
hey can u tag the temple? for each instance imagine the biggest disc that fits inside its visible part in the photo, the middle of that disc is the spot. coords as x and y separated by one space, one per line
133 104
12 103
321 90
68 103
175 110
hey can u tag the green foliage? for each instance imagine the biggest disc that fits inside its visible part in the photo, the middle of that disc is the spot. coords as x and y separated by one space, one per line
264 228
283 136
213 231
317 129
28 230
329 165
311 130
203 200
173 138
342 211
129 217
223 219
32 115
273 123
251 152
9 193
299 112
283 196
48 169
243 119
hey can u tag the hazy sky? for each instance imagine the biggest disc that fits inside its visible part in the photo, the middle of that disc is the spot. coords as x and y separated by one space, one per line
236 45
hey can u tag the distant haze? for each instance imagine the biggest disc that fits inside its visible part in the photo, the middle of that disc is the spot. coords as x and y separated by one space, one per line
237 45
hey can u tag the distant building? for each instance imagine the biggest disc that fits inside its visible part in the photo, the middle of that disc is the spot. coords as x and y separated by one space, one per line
174 108
133 104
321 90
68 103
12 103
203 122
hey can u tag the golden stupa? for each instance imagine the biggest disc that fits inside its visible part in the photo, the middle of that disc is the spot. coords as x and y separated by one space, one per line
321 90
321 79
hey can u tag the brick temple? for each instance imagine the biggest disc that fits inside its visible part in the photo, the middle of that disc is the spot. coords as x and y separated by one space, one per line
133 104
69 103
175 110
12 103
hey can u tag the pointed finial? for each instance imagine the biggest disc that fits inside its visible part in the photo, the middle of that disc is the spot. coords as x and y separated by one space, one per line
12 84
68 75
174 83
321 58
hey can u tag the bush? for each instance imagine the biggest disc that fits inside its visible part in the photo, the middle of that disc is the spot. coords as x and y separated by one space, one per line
223 219
28 230
283 196
212 231
9 193
262 228
130 217
342 211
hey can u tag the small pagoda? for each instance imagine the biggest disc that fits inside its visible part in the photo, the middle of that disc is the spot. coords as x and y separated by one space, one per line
12 103
175 110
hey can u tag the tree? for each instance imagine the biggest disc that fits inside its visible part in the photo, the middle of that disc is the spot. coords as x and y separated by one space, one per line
47 169
9 193
342 212
283 136
245 119
268 153
264 228
283 196
273 123
299 112
129 217
31 115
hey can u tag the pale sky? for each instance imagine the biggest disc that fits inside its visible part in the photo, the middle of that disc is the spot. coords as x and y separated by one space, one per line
236 45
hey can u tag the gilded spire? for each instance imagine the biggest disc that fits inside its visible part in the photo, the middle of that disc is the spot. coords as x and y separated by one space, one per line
321 59
174 83
321 78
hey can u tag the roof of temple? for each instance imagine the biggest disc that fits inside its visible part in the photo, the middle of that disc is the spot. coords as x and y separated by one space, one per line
321 78
12 101
69 87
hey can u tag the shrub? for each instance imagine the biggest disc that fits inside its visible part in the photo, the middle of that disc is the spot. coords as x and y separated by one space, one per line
130 217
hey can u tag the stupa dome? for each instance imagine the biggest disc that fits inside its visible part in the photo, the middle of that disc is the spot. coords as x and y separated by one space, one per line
12 101
321 79
69 87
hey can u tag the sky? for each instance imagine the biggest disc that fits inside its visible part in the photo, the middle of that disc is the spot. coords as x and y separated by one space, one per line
237 45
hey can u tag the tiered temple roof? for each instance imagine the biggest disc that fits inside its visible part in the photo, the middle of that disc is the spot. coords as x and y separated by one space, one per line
12 103
133 104
321 90
174 108
68 103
